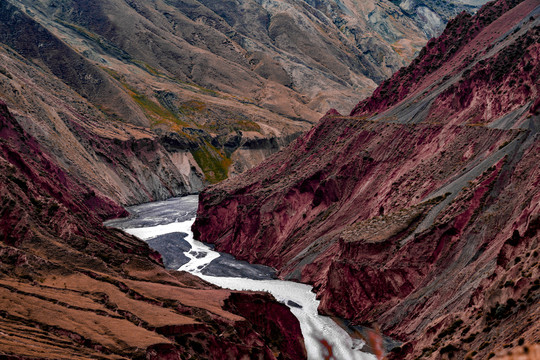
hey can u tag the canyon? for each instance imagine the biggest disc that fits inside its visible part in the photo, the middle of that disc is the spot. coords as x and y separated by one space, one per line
165 226
419 211
72 289
109 104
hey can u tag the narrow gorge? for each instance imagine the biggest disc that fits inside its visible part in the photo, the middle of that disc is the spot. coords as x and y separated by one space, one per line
166 226
269 179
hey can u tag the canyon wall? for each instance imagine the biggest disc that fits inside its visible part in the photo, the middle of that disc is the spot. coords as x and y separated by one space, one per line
420 210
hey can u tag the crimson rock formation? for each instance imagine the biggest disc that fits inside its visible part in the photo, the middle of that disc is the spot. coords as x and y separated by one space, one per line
420 211
70 288
106 112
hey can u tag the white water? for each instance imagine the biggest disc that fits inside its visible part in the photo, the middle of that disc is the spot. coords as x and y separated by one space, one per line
314 326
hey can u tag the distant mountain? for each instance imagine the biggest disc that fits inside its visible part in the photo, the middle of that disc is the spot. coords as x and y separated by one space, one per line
323 51
419 211
212 87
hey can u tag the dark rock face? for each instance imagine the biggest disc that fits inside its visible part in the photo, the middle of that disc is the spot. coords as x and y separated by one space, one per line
72 288
419 211
279 327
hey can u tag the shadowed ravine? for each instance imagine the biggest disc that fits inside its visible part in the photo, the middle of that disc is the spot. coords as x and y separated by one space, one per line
166 226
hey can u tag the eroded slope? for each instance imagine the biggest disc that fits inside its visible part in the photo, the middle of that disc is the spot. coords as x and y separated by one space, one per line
419 212
222 85
70 288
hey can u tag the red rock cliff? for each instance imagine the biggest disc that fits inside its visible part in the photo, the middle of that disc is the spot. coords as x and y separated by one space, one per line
421 210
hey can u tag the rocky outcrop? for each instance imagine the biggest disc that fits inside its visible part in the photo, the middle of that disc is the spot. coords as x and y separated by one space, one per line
72 288
279 329
419 212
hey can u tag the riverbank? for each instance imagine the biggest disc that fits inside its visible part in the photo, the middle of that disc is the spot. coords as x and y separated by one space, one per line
167 226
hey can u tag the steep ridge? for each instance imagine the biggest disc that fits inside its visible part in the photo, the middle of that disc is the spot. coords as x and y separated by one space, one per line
215 87
419 211
446 55
70 288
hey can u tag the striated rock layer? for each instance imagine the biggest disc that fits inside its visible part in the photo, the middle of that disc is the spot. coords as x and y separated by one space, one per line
420 211
72 289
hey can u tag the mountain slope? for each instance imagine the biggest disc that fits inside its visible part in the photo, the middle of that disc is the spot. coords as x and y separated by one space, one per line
70 288
419 211
215 87
338 49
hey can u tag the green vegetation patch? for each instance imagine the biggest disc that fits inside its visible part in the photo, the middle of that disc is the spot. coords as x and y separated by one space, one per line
103 43
149 69
204 90
192 107
157 113
213 163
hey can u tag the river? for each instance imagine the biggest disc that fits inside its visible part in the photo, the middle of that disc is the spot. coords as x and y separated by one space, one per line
166 227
